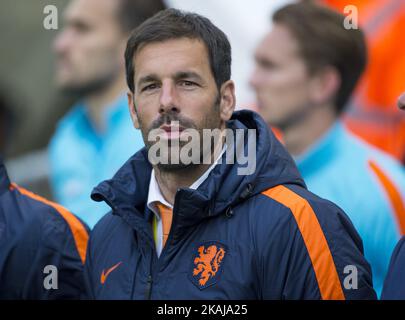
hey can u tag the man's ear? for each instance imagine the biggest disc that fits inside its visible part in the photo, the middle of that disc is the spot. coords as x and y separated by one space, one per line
132 111
227 100
325 85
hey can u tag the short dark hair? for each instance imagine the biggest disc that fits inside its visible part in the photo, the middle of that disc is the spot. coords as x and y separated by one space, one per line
131 13
324 41
173 24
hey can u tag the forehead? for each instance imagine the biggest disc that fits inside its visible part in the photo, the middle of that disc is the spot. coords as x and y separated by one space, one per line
171 56
91 11
279 43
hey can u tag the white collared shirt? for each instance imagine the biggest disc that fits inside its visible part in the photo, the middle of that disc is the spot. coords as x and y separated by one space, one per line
155 196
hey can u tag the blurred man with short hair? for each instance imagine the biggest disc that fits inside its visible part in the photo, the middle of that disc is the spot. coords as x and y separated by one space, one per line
93 140
306 69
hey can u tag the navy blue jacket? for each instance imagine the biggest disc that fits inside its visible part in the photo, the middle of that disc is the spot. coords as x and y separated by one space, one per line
394 285
257 236
36 233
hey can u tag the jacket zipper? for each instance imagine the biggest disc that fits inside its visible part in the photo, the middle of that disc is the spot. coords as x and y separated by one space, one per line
149 288
149 282
158 262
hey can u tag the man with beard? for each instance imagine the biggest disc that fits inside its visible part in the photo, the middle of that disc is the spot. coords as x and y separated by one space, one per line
182 230
96 136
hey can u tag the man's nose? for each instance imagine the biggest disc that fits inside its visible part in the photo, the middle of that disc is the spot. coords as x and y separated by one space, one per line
254 79
61 42
168 100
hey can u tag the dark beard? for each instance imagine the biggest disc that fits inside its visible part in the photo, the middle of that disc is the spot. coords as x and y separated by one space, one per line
170 116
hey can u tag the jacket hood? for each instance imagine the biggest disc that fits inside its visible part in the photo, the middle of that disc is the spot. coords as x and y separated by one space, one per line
223 189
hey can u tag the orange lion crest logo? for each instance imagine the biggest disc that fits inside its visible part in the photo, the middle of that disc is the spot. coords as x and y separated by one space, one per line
207 264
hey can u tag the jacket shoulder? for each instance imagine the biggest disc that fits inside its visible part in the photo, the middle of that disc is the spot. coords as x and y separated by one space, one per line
57 225
322 230
104 230
394 285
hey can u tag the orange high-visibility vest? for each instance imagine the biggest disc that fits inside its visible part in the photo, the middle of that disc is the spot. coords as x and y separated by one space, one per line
373 113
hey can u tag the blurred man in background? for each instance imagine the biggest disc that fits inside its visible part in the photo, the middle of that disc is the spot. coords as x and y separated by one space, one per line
37 236
372 113
96 137
307 68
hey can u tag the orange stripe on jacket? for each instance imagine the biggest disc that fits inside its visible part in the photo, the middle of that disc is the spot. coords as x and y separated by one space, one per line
393 195
79 232
314 239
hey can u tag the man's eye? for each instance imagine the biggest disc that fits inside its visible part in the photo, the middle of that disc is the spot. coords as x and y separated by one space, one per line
149 87
268 65
186 83
80 27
